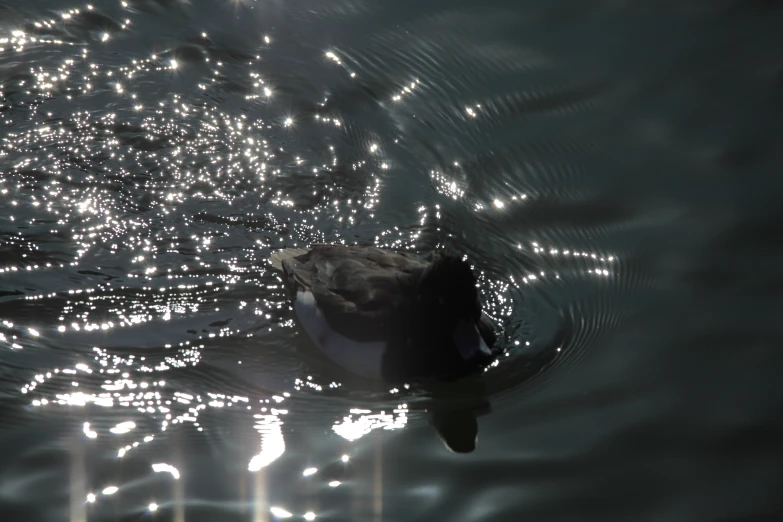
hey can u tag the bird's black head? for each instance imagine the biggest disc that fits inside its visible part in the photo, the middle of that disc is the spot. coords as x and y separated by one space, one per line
449 304
447 290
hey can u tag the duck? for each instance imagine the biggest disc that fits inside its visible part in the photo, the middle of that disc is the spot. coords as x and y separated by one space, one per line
389 316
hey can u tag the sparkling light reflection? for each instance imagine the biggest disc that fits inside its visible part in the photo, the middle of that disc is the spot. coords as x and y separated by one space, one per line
166 468
144 200
361 422
89 432
123 427
269 426
280 512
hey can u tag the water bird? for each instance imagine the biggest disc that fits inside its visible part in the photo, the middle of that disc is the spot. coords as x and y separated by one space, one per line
388 315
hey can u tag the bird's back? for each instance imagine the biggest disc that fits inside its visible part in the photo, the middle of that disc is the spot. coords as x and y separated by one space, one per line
363 292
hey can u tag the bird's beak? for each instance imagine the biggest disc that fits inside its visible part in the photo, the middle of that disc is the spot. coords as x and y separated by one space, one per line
469 341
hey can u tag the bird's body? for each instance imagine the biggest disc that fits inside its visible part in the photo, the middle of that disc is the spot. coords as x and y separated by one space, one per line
388 315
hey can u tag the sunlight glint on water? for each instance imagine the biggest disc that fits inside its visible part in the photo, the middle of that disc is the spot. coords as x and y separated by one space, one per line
147 182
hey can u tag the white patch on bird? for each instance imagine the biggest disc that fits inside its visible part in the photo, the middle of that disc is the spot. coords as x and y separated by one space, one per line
468 352
483 346
469 342
471 351
361 358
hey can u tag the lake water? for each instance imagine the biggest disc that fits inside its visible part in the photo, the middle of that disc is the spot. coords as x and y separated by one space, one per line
610 168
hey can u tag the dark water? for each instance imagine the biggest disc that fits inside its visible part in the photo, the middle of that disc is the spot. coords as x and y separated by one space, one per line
611 168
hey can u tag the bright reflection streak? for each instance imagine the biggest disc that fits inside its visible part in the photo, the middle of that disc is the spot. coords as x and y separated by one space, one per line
111 490
272 442
87 431
123 427
166 468
280 512
91 497
80 399
309 515
96 219
334 483
153 507
309 471
351 428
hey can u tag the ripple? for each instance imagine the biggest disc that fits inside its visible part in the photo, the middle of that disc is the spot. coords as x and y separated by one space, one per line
148 178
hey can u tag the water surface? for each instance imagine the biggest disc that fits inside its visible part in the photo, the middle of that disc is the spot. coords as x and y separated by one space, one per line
609 169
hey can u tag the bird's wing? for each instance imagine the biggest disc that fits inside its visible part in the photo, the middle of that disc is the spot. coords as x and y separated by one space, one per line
362 292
